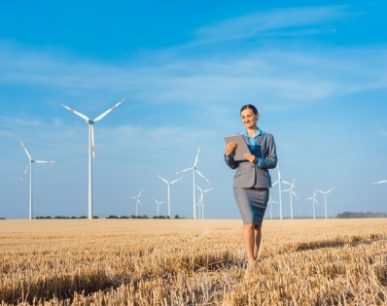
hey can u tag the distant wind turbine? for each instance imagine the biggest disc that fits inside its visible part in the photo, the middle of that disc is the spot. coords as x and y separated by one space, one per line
91 123
158 203
271 202
201 200
325 193
137 201
279 181
169 183
29 168
291 194
194 170
314 201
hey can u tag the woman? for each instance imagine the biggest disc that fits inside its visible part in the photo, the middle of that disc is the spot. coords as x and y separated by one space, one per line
252 179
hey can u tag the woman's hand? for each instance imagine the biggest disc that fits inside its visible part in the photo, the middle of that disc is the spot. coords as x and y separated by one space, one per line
250 157
230 148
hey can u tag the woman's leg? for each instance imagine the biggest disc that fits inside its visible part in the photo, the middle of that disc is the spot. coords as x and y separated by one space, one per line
249 241
257 240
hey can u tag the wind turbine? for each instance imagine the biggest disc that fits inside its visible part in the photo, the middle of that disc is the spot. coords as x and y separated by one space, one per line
201 200
90 123
271 202
169 183
158 203
325 193
380 182
291 194
314 201
29 168
137 200
194 170
279 181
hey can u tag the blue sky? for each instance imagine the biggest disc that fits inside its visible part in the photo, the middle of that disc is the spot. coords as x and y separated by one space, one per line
317 73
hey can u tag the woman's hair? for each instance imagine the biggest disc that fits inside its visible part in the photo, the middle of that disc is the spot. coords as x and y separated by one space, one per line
250 106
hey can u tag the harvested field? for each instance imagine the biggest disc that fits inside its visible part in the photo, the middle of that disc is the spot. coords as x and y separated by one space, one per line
185 262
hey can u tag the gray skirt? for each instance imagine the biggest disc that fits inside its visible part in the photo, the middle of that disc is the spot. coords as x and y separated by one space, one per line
252 203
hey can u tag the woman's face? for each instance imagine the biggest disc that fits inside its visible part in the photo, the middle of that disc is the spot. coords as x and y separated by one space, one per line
249 119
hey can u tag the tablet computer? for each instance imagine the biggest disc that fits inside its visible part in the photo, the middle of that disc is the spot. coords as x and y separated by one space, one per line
241 148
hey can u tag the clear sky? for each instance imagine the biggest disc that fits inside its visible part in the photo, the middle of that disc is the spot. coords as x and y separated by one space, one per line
317 71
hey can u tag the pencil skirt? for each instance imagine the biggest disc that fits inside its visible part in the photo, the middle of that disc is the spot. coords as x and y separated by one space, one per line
252 203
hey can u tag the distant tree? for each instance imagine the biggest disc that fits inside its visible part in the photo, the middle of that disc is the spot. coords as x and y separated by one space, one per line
82 217
124 217
2 218
112 217
348 214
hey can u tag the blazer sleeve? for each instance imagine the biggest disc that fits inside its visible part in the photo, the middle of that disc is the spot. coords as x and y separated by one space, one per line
270 161
231 162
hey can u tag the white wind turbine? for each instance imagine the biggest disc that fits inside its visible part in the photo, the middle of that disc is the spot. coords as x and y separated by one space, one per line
279 181
169 183
91 123
194 170
29 168
271 202
137 201
314 201
291 194
201 200
158 203
325 193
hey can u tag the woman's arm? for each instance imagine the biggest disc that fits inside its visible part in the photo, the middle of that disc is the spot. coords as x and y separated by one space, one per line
228 155
270 161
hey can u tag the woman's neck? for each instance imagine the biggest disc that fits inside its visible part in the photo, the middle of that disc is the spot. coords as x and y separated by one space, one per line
252 131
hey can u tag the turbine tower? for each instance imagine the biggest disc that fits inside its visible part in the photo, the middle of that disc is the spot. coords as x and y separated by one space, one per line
314 201
137 201
158 203
201 200
29 168
325 193
291 194
169 183
90 123
271 202
194 170
279 181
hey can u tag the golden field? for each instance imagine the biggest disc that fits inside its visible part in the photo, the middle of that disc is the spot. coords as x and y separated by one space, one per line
186 262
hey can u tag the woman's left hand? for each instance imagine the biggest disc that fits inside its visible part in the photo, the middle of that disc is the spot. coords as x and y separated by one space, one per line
250 157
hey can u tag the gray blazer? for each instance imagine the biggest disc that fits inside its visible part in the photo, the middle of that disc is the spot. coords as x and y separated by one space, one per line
249 175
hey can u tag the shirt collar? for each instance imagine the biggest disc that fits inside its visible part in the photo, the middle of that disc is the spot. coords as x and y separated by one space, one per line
259 133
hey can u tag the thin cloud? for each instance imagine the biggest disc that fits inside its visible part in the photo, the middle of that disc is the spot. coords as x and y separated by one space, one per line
301 19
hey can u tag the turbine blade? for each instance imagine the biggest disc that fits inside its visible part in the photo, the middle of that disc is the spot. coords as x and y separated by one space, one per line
104 114
184 170
26 151
139 194
332 189
84 117
275 183
200 189
197 157
175 181
25 172
202 175
45 161
139 202
286 182
381 182
207 190
163 179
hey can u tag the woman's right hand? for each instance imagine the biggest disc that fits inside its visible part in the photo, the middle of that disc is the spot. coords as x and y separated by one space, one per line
230 148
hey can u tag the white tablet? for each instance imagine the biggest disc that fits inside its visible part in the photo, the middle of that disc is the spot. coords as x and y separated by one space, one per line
241 148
